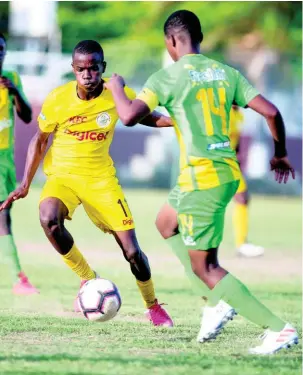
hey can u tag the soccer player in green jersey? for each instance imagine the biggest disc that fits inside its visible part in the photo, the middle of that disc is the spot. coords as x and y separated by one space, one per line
198 93
11 95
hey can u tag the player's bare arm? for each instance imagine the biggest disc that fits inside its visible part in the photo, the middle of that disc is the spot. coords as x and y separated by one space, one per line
131 112
279 163
35 154
23 109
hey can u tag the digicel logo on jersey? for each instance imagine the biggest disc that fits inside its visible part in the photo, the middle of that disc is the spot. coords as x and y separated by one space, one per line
88 135
128 222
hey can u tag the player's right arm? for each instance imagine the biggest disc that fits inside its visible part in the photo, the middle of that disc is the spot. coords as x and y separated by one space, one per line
247 96
36 149
35 153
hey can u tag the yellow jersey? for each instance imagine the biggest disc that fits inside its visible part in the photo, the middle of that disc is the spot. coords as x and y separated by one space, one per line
236 120
82 132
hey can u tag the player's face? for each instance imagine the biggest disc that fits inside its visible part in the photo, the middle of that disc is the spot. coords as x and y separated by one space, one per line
171 47
2 50
88 70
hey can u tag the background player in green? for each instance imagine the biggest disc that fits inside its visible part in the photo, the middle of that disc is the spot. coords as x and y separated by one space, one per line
11 94
198 93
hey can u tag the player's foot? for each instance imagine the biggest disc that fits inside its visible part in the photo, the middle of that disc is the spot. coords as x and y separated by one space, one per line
159 316
249 250
76 301
214 319
275 341
23 286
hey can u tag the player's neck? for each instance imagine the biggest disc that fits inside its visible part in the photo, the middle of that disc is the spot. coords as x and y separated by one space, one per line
187 49
88 95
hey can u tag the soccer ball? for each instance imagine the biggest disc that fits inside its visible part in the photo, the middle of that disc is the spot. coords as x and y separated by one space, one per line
99 300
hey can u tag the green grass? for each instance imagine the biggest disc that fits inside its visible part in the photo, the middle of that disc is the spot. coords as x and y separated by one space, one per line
41 335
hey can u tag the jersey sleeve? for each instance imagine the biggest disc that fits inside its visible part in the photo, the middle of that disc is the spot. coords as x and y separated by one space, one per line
245 92
46 119
152 93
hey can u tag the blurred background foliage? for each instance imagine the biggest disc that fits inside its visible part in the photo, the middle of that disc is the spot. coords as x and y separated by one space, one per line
132 32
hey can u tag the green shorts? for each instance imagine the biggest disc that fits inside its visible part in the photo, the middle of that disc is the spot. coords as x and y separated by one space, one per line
7 175
201 214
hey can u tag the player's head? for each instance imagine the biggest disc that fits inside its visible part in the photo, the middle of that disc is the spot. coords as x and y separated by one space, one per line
182 27
88 64
2 47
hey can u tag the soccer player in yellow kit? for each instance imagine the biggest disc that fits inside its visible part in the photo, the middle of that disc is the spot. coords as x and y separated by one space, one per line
82 116
241 198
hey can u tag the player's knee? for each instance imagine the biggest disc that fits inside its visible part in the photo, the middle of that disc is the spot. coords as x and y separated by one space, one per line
50 222
242 198
131 252
165 229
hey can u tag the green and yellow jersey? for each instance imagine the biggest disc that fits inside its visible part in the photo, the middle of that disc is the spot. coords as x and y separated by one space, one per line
198 93
7 119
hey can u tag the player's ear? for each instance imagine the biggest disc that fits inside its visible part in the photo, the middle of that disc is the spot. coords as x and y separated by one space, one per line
173 41
104 64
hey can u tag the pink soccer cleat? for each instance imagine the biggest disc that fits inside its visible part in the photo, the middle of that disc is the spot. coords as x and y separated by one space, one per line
23 286
158 316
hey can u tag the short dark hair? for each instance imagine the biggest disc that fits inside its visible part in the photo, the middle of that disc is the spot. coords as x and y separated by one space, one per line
2 37
184 21
87 47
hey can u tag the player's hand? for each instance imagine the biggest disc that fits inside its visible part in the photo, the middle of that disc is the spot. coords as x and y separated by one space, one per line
114 82
20 192
7 83
282 168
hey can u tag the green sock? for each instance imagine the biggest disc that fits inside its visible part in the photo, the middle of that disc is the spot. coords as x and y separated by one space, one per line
232 291
178 247
9 250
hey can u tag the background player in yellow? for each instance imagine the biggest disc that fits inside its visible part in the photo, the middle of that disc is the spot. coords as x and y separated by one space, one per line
11 95
241 198
198 93
82 116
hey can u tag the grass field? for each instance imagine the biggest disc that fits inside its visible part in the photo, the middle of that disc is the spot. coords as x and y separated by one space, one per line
41 334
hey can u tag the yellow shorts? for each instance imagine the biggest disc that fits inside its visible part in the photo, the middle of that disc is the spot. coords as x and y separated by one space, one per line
242 186
102 199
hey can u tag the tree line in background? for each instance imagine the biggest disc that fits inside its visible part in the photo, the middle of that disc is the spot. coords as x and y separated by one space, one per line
132 32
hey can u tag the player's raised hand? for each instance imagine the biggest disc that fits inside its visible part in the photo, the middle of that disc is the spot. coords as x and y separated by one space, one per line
114 82
20 192
7 83
282 168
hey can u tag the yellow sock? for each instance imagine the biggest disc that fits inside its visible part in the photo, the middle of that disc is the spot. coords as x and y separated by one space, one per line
75 260
240 222
147 291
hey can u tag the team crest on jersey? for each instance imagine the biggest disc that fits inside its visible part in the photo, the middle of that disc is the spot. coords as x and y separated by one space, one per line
103 119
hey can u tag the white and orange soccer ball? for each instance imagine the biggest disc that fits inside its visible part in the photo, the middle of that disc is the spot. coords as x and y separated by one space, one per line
99 300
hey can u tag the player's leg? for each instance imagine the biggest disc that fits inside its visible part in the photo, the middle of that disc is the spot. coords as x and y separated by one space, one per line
240 223
202 235
106 206
167 225
214 319
140 268
53 212
58 202
7 244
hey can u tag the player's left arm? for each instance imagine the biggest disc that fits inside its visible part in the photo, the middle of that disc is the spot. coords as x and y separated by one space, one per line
279 163
248 96
14 87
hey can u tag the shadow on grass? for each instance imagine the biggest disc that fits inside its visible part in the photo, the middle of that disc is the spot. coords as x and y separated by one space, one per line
150 359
